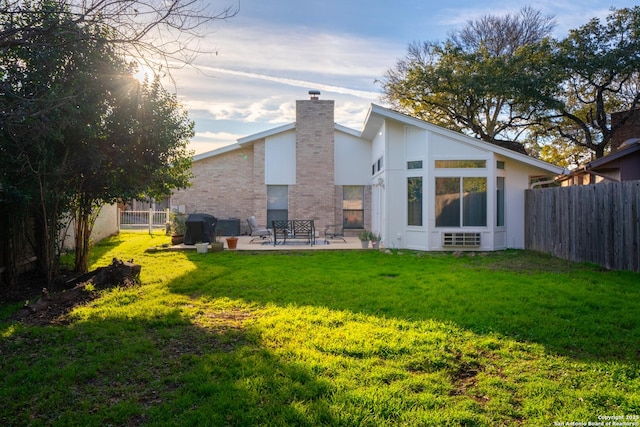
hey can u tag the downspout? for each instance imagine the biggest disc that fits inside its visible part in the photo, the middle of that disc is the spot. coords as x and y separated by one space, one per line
549 181
536 184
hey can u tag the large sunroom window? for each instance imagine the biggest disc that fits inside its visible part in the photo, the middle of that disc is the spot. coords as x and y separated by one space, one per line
461 201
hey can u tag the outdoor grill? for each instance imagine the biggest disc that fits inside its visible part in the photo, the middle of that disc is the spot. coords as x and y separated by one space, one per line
200 228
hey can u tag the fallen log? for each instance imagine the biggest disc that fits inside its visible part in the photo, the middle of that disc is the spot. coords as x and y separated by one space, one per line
53 305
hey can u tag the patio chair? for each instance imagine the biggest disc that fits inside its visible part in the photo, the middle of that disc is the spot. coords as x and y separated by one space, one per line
257 232
334 231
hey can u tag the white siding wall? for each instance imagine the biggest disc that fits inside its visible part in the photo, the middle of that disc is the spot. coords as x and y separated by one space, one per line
352 160
106 225
516 181
416 149
280 159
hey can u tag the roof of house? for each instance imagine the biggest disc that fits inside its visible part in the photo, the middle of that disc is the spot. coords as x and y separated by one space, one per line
374 119
250 139
378 114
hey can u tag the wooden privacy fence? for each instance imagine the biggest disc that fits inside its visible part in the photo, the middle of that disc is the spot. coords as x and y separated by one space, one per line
594 223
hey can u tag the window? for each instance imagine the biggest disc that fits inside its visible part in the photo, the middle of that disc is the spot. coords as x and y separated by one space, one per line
499 164
447 202
414 201
353 206
277 203
416 164
461 201
500 201
474 202
460 164
377 166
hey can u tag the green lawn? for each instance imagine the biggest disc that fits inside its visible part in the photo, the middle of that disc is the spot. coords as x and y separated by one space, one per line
360 338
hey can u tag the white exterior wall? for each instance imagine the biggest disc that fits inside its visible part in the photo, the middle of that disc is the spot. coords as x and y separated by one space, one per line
378 181
409 143
106 225
352 160
517 180
405 143
280 159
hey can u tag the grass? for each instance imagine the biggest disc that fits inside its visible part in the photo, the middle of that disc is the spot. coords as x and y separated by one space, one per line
362 338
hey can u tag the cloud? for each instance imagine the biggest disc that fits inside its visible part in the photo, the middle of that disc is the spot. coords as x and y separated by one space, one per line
298 51
299 83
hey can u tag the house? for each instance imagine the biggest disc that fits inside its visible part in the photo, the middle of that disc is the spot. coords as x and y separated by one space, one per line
618 166
418 185
622 163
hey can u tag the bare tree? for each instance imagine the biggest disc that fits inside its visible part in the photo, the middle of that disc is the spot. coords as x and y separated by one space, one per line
471 82
504 35
165 33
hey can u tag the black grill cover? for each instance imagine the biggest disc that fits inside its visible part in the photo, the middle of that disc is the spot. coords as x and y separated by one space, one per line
200 228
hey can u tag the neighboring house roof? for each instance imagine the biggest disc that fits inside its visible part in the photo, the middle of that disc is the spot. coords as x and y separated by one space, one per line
377 114
628 147
621 165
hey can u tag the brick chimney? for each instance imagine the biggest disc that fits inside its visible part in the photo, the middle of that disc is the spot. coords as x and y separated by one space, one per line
630 129
313 196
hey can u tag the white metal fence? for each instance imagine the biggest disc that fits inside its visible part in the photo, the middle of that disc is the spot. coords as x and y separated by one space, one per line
149 219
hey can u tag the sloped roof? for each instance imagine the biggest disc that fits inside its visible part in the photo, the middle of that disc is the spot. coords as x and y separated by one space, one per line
251 139
378 114
628 147
374 119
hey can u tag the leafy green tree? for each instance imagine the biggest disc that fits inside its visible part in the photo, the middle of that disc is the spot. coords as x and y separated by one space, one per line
141 150
37 107
600 66
470 82
503 81
78 130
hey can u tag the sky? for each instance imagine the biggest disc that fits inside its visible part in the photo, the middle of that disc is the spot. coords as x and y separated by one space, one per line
273 52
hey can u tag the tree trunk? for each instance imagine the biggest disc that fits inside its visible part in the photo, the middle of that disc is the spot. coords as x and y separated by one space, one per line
85 218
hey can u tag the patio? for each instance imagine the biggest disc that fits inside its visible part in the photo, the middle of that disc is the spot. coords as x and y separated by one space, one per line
320 244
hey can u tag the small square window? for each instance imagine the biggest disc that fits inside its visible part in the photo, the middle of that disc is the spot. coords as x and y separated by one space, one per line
500 164
416 164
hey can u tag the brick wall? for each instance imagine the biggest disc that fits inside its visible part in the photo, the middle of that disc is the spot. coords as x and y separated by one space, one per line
223 186
313 195
631 128
259 187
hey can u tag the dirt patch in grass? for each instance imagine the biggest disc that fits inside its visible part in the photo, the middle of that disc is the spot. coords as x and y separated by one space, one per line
521 261
52 307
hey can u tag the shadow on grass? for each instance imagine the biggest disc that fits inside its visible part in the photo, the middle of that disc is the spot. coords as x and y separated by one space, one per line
574 310
174 369
163 372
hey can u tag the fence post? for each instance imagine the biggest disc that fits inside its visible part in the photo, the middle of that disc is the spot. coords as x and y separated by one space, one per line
150 220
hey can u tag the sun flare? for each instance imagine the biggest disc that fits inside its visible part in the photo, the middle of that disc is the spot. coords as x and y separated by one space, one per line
143 73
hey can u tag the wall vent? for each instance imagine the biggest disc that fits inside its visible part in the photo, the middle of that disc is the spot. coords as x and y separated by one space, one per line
467 240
